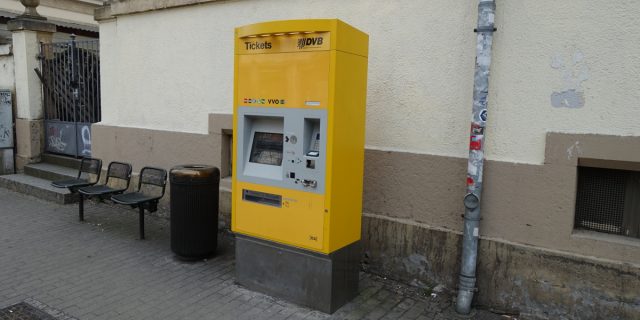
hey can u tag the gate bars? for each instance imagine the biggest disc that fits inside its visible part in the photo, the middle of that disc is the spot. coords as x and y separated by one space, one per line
70 73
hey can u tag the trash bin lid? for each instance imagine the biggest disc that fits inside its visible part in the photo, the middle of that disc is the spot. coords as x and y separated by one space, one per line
194 174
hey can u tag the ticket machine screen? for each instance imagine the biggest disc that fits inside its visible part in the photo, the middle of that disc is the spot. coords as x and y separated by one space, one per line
267 148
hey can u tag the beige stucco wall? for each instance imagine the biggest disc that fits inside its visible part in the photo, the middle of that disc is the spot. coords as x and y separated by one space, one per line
522 204
167 70
179 63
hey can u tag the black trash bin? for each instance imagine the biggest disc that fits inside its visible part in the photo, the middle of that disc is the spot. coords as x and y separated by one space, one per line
194 210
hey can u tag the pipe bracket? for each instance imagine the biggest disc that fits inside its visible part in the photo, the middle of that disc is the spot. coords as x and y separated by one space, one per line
485 29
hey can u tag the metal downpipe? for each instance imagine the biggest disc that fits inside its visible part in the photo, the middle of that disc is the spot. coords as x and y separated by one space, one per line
466 287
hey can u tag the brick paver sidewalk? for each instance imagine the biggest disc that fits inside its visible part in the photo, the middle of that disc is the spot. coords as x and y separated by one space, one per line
100 270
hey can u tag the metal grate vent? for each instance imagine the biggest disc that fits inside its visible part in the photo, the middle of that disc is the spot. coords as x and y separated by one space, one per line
604 203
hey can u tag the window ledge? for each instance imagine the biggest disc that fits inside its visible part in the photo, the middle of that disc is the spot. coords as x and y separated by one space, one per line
612 238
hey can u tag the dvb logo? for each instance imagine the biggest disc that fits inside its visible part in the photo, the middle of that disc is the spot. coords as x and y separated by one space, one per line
306 42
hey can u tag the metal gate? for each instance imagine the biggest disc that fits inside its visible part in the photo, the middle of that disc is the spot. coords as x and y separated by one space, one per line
70 74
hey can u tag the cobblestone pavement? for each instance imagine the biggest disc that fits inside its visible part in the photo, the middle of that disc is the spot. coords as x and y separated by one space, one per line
98 269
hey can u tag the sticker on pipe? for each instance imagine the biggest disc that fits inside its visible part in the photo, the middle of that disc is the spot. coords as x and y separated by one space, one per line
483 115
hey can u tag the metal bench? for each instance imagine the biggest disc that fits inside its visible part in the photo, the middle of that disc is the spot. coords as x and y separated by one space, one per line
151 186
117 181
89 168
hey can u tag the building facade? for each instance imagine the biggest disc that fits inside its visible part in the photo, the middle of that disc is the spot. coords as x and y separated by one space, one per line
563 103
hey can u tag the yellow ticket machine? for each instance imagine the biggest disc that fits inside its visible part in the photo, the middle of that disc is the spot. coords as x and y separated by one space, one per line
298 156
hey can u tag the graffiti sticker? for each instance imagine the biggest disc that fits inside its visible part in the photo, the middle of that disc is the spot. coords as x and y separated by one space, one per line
470 181
476 142
483 115
477 128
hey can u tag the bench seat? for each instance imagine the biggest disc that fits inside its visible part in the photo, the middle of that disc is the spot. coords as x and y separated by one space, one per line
72 183
88 167
118 171
133 198
99 190
150 177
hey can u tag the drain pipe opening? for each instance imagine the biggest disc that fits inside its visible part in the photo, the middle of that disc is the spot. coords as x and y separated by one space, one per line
472 201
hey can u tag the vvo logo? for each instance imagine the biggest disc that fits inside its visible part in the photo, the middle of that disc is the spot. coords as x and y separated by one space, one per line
309 42
263 101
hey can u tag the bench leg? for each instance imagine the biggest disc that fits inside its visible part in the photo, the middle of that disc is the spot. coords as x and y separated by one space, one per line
141 222
81 207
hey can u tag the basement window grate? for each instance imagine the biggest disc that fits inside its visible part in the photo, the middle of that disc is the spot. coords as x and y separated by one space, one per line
23 311
608 200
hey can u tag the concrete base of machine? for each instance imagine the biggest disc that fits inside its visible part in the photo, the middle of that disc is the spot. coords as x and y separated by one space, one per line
319 281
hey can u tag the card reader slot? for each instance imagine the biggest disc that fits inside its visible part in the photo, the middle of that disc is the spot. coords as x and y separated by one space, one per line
262 198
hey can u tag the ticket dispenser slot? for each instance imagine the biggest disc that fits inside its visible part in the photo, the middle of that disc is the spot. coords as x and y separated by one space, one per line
298 159
262 198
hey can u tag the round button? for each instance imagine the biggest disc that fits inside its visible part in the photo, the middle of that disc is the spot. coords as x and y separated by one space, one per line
293 139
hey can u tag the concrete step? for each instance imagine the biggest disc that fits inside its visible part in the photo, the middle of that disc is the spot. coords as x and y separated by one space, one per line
50 171
37 187
63 161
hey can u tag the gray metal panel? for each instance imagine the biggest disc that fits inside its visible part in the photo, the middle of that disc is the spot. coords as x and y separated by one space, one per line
6 119
6 161
61 137
294 159
322 282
